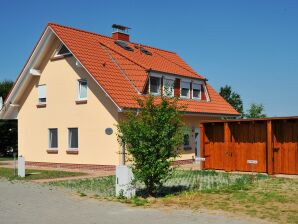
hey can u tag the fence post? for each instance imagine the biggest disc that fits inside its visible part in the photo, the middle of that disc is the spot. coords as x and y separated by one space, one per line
202 144
269 149
229 150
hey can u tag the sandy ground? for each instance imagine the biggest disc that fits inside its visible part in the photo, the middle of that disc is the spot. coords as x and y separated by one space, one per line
23 202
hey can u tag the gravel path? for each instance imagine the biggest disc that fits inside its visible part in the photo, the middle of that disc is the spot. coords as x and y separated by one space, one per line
24 203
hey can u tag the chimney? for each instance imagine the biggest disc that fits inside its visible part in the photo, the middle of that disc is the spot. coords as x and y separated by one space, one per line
120 32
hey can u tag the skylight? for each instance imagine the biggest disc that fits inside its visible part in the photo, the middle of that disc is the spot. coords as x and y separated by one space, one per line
124 45
143 50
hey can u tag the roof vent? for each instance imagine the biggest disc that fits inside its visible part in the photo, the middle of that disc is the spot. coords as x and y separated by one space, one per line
120 32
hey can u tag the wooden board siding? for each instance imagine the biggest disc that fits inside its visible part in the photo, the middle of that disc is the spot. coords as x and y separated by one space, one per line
227 145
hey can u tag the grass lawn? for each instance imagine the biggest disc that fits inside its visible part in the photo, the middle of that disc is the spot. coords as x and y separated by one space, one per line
274 199
8 173
6 158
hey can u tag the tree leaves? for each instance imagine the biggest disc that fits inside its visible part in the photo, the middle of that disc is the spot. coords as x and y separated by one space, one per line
152 138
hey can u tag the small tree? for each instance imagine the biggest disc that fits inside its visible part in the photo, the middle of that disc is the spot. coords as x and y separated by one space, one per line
255 111
152 138
232 98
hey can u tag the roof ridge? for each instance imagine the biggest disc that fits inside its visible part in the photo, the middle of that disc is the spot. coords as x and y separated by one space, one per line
193 72
155 48
80 30
98 34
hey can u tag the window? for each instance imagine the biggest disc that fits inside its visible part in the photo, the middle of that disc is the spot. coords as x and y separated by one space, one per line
196 91
42 94
82 95
154 85
186 143
53 138
73 142
168 87
62 51
185 89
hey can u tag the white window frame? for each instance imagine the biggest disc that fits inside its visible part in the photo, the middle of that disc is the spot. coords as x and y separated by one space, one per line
61 55
40 96
201 86
80 81
171 79
50 138
159 84
69 139
181 84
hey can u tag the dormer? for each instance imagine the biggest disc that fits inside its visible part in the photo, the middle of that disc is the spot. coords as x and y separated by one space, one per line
177 86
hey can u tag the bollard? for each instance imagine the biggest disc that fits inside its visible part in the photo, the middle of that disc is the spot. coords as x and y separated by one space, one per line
21 166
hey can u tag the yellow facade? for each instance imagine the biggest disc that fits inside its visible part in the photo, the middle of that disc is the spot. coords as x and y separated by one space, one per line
62 112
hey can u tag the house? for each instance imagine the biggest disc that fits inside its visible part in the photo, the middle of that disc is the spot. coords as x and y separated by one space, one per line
76 85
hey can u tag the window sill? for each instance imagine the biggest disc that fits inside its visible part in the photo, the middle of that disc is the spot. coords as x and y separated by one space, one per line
187 147
72 151
81 101
52 151
185 97
41 105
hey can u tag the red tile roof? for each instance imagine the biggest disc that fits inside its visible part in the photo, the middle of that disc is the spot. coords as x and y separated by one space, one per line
123 74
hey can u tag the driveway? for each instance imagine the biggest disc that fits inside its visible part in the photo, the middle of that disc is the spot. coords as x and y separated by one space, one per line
33 203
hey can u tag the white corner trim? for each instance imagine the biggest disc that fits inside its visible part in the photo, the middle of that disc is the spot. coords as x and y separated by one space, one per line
34 72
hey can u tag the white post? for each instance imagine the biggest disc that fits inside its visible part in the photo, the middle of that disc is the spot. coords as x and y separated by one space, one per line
21 166
1 102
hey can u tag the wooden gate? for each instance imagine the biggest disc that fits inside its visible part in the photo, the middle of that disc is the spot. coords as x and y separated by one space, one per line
285 146
227 145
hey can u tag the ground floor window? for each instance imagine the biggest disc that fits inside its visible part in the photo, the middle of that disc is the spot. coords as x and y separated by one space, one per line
186 143
53 138
73 138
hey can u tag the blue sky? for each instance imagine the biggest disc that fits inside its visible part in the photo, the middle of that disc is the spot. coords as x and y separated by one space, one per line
251 45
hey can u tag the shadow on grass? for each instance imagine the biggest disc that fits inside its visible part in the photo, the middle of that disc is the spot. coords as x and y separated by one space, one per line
163 191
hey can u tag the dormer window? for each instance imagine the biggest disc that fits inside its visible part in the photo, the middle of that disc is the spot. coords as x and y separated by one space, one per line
62 51
154 87
168 87
196 91
185 89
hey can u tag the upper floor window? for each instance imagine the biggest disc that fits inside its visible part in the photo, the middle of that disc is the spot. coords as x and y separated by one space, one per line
184 89
82 94
196 91
62 51
42 94
154 87
168 87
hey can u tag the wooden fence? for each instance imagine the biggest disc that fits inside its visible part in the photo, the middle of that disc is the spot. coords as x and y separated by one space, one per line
273 142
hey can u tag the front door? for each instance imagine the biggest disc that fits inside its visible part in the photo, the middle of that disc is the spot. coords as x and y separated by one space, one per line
197 142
